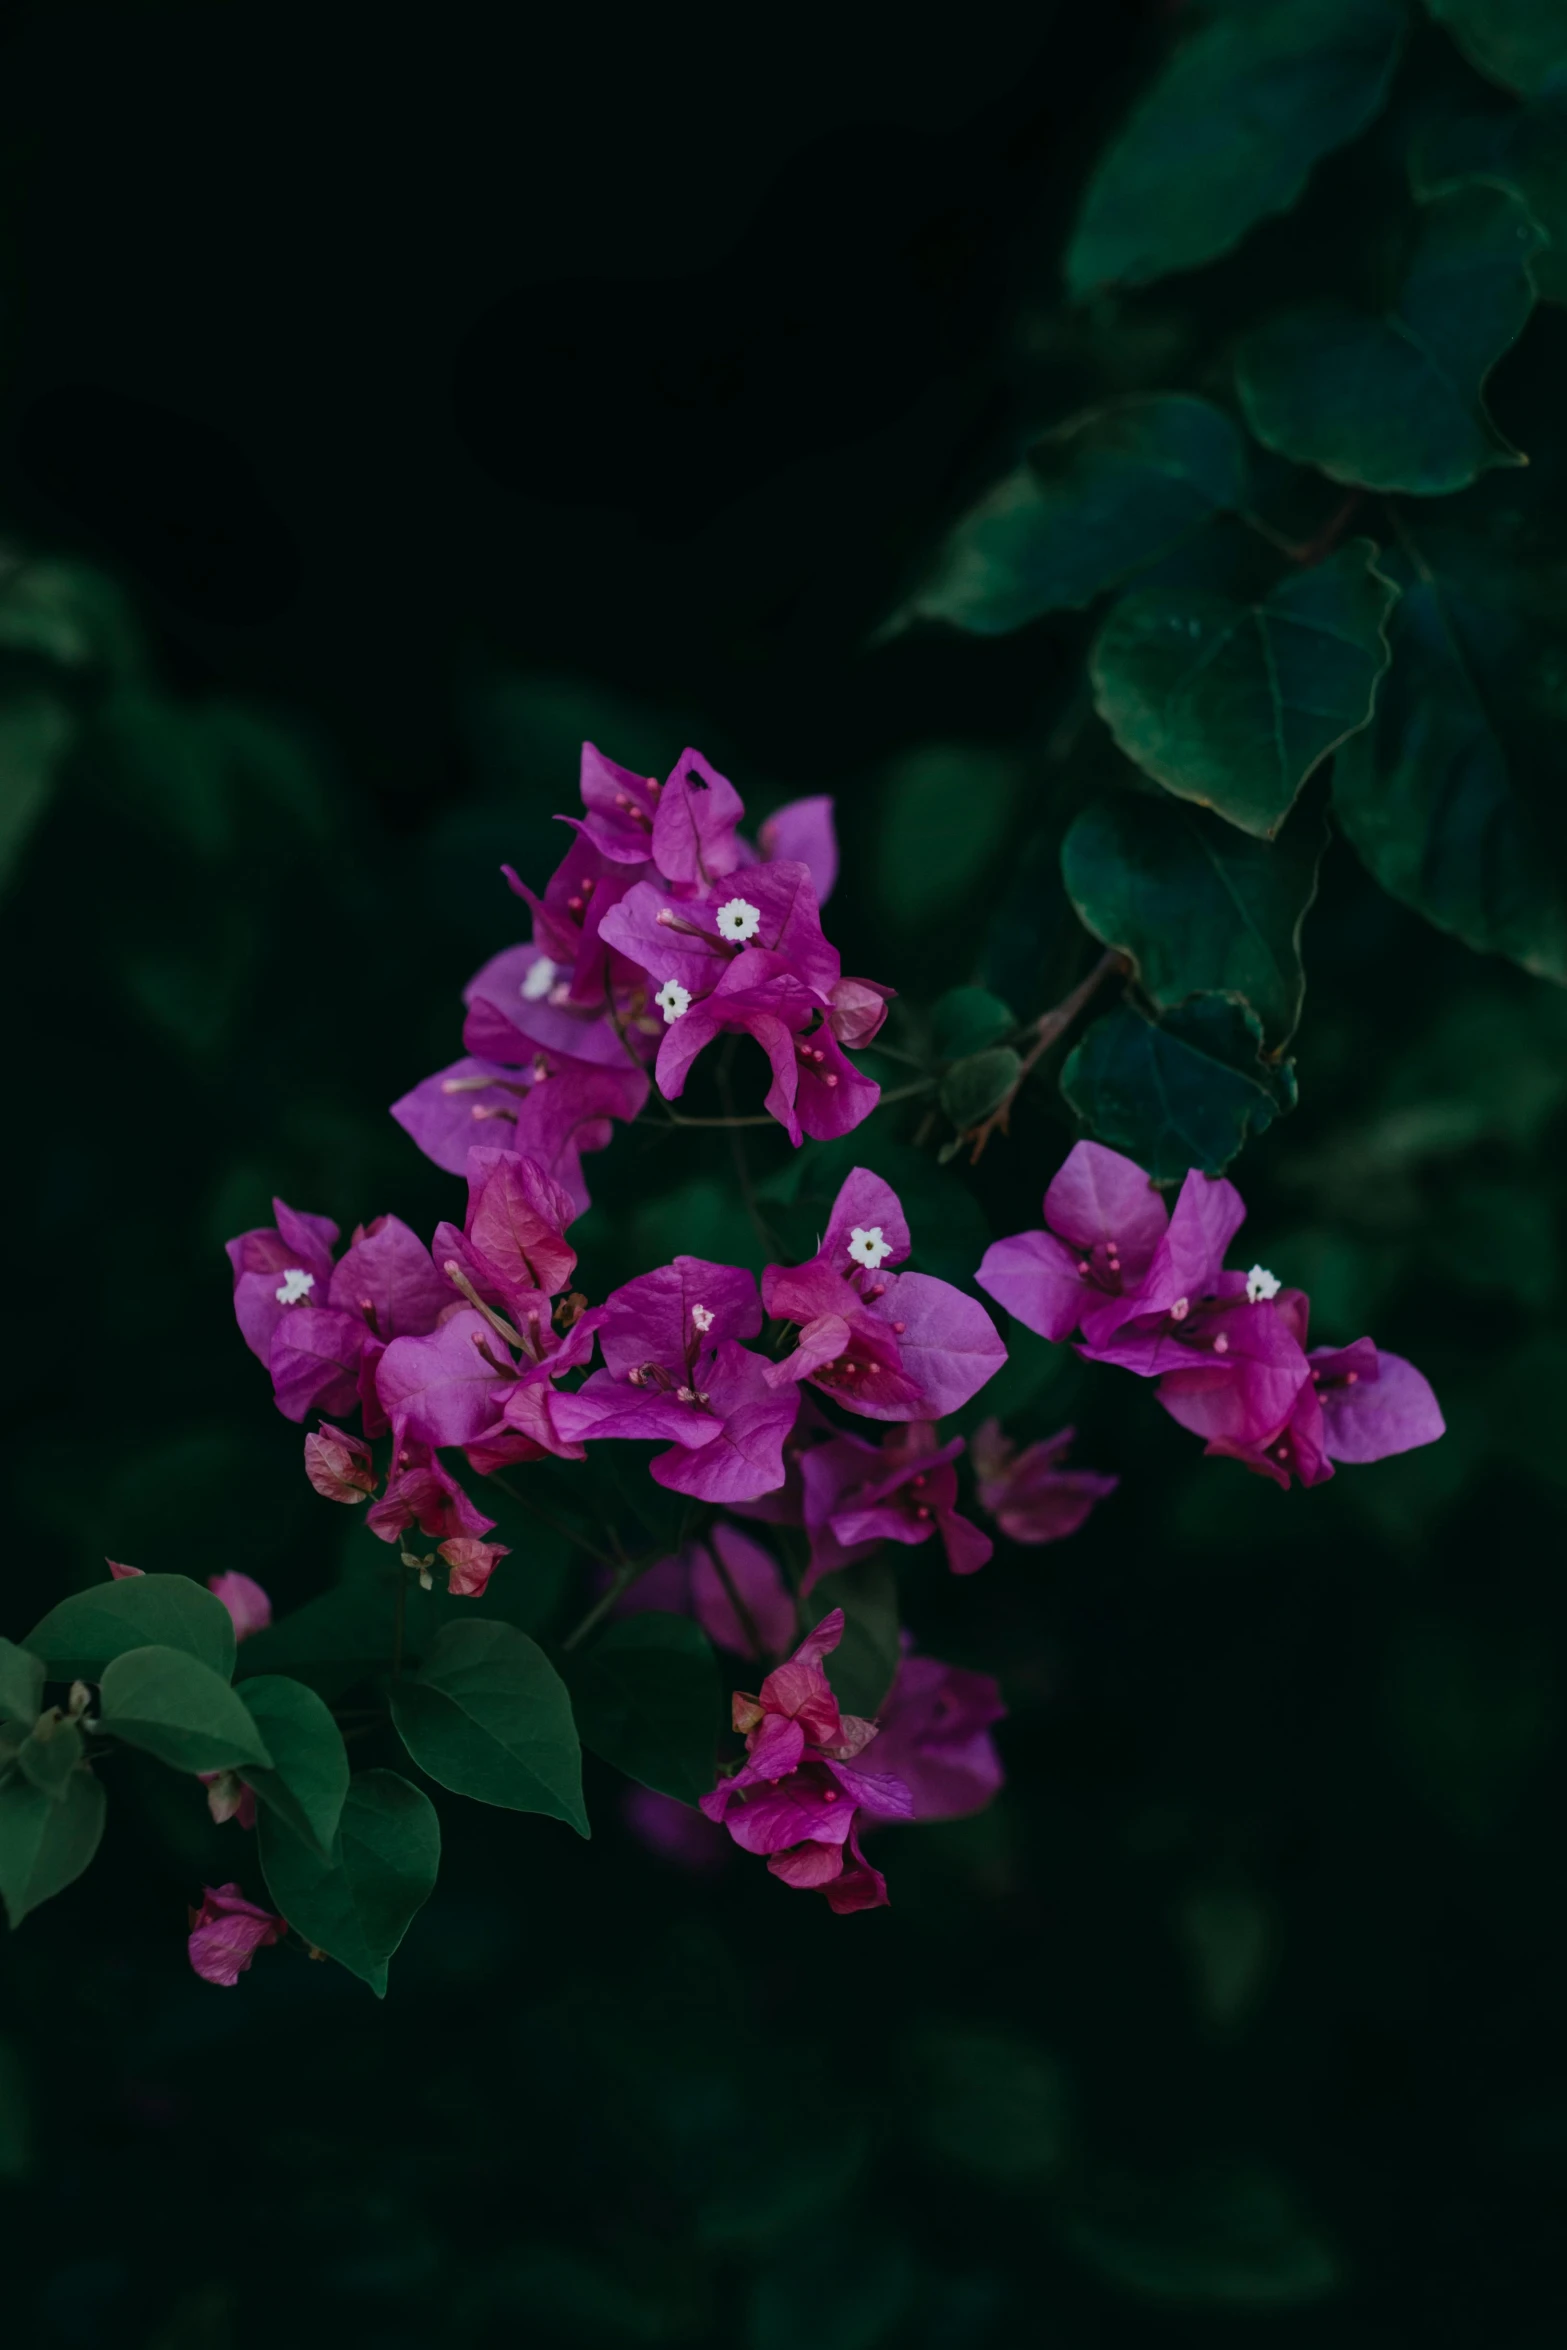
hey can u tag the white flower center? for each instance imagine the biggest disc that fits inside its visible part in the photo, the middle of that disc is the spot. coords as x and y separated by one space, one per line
702 1317
1261 1285
738 921
297 1283
868 1247
673 1000
539 980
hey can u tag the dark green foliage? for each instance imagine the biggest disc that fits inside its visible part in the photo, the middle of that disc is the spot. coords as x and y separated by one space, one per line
1183 1091
85 1632
647 1699
488 1716
48 1835
1444 793
1093 503
1524 150
863 1664
179 1709
1520 43
1235 705
21 1684
1397 402
308 1778
1199 906
357 1904
1228 133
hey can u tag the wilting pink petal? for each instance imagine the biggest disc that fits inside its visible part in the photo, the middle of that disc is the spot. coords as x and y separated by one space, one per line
227 1931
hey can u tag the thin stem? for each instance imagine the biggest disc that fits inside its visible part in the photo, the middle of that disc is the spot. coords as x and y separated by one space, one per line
1048 1028
743 1615
621 1581
548 1518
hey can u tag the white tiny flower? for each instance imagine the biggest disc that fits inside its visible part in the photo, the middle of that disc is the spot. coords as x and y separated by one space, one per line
539 980
702 1317
1261 1285
673 1000
297 1283
867 1246
738 921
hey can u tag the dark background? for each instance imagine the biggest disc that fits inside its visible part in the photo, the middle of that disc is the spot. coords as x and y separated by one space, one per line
440 390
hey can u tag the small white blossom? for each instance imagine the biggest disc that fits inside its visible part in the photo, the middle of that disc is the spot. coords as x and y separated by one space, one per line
868 1247
673 1000
738 921
297 1283
702 1316
540 978
1261 1285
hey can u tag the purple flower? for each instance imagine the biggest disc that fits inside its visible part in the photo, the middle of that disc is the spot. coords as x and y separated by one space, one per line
934 1735
227 1931
422 1492
802 833
674 1371
797 1799
512 1248
1030 1496
696 824
620 808
320 1327
1111 1250
249 1607
904 1490
551 1110
892 1346
484 1383
714 1581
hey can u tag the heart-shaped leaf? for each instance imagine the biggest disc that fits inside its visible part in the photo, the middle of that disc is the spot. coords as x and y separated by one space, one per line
1180 1092
1200 907
1228 133
488 1715
309 1776
1396 402
1093 503
80 1636
358 1904
647 1699
1446 794
1520 43
46 1843
172 1705
1234 705
1522 149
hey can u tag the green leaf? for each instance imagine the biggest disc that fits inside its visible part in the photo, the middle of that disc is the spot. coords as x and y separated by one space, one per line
358 1905
50 1753
1523 150
21 1684
1435 795
309 1776
1180 1092
648 1700
1234 705
1396 402
488 1715
1229 132
1093 502
862 1666
36 730
971 1089
179 1709
1520 43
85 1632
966 1020
44 1844
1200 907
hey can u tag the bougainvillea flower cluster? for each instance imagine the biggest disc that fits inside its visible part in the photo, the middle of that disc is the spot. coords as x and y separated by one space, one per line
1147 1289
798 1798
660 930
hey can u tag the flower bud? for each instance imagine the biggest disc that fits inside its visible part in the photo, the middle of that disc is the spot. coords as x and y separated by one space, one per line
859 1006
339 1465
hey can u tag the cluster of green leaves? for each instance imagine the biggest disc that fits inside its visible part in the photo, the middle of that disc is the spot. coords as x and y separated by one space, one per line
477 1705
1317 580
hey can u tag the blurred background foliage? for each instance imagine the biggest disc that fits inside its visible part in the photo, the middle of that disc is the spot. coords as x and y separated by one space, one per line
380 415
